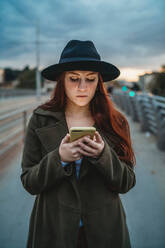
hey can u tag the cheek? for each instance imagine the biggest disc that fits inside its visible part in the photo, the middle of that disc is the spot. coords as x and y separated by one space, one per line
69 90
93 89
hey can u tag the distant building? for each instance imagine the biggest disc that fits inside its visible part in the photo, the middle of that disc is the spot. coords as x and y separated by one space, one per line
145 79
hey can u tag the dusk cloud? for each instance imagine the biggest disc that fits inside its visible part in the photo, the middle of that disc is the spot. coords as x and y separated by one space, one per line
128 33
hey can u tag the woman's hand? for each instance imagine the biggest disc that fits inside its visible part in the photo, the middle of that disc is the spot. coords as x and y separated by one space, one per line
82 147
69 151
91 148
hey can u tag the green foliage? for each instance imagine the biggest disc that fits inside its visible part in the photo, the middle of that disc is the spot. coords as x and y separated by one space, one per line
10 74
27 79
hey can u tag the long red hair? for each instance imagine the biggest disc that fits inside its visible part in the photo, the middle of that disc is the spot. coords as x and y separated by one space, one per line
107 117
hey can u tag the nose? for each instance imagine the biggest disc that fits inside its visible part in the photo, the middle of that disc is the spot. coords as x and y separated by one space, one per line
82 85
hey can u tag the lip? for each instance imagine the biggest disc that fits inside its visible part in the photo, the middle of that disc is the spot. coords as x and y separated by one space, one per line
81 96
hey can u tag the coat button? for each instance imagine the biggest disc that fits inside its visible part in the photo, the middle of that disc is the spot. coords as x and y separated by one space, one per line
68 169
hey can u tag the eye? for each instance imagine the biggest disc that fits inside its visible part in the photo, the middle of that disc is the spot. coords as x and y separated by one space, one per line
91 80
77 79
74 79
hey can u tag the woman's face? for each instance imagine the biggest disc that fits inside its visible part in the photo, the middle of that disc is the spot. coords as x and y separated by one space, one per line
80 86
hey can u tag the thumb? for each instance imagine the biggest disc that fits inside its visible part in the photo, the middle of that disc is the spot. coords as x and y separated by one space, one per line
66 139
98 137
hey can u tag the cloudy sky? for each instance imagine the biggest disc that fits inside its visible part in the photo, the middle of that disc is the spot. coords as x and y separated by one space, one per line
127 33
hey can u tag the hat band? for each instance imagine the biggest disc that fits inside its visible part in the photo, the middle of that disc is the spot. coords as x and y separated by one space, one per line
77 59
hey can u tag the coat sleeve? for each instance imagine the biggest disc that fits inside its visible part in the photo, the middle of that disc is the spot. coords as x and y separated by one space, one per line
119 176
40 173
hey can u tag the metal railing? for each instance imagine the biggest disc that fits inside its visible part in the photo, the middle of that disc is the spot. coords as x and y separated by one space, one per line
5 93
148 110
13 127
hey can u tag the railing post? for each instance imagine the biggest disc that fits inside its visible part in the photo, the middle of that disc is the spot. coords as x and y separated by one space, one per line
24 123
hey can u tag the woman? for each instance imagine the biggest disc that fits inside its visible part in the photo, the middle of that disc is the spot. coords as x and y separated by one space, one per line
77 184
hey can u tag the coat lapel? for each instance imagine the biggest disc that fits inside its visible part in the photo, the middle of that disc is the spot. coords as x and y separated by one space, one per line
51 135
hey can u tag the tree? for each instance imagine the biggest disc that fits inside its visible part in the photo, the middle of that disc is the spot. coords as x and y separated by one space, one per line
10 74
27 79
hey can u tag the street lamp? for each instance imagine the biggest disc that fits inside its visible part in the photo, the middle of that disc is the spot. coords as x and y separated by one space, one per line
38 76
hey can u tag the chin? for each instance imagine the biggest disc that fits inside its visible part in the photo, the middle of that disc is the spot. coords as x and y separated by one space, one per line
81 104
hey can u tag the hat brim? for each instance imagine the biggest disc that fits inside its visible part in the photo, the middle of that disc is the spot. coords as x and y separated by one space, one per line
108 71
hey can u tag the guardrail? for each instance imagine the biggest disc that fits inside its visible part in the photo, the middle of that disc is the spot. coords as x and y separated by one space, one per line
13 127
5 93
148 110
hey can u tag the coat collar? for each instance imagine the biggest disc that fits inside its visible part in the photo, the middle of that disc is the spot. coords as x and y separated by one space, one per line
52 134
57 115
61 122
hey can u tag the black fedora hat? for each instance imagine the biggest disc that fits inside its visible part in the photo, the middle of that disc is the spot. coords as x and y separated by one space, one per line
81 55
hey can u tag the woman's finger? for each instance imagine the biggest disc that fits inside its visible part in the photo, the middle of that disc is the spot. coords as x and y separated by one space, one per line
87 148
85 153
90 143
98 137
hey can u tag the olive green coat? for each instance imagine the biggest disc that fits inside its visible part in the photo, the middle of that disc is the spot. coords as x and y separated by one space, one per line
61 200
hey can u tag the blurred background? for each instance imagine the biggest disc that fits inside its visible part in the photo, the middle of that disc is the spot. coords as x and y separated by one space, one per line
127 33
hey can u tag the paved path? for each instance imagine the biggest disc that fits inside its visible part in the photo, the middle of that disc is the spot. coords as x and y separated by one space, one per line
144 204
15 203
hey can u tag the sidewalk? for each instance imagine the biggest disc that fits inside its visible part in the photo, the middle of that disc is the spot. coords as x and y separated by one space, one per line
145 203
15 203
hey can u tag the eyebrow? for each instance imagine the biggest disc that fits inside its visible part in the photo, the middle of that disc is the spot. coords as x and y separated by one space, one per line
78 73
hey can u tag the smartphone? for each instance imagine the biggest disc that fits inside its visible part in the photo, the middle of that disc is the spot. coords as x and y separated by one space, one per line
78 132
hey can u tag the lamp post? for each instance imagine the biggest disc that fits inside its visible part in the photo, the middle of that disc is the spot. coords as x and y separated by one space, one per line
38 76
